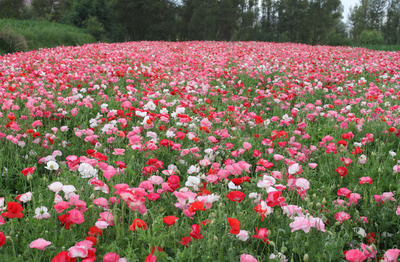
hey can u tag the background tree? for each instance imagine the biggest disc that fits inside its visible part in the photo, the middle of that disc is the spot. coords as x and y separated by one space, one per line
43 8
97 16
391 28
11 8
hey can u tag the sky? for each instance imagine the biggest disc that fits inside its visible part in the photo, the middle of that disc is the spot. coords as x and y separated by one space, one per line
347 4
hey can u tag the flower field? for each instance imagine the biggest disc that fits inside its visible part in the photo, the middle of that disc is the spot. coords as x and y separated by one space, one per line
200 151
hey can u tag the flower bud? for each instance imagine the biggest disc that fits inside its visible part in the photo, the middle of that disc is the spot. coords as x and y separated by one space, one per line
305 258
324 201
215 238
91 197
318 205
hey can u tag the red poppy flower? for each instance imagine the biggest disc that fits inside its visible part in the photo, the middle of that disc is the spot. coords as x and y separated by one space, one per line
262 234
342 142
28 170
2 239
51 140
342 171
237 181
357 150
205 222
196 206
392 129
90 152
235 226
185 241
100 156
65 222
274 198
138 223
152 196
14 210
63 257
195 233
236 196
170 220
95 231
92 239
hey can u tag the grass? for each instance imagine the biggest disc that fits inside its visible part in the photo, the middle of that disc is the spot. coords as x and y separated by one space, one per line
32 35
382 47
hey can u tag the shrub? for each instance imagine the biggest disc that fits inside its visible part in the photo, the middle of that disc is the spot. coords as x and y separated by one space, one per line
11 41
371 37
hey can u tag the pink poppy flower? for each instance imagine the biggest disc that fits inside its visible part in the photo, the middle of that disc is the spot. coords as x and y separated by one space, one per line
247 258
39 243
76 216
368 251
342 216
119 151
355 255
312 165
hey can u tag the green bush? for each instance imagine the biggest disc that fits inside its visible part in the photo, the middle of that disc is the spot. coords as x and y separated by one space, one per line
334 38
371 37
11 41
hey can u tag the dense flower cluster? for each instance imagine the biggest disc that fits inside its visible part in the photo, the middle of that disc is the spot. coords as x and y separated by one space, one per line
135 140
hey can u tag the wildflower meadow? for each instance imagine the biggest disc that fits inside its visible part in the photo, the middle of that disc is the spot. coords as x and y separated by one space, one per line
200 151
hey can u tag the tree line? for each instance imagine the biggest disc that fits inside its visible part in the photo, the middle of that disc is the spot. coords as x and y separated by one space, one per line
301 21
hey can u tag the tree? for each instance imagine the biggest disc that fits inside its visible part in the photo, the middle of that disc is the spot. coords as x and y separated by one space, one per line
11 8
358 19
376 14
391 28
43 8
94 15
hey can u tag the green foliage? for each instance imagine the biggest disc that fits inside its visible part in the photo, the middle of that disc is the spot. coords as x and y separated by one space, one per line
371 37
22 35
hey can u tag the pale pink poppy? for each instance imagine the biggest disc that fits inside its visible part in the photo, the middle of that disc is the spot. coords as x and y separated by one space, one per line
391 255
246 145
278 157
300 223
247 258
39 243
78 251
243 235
